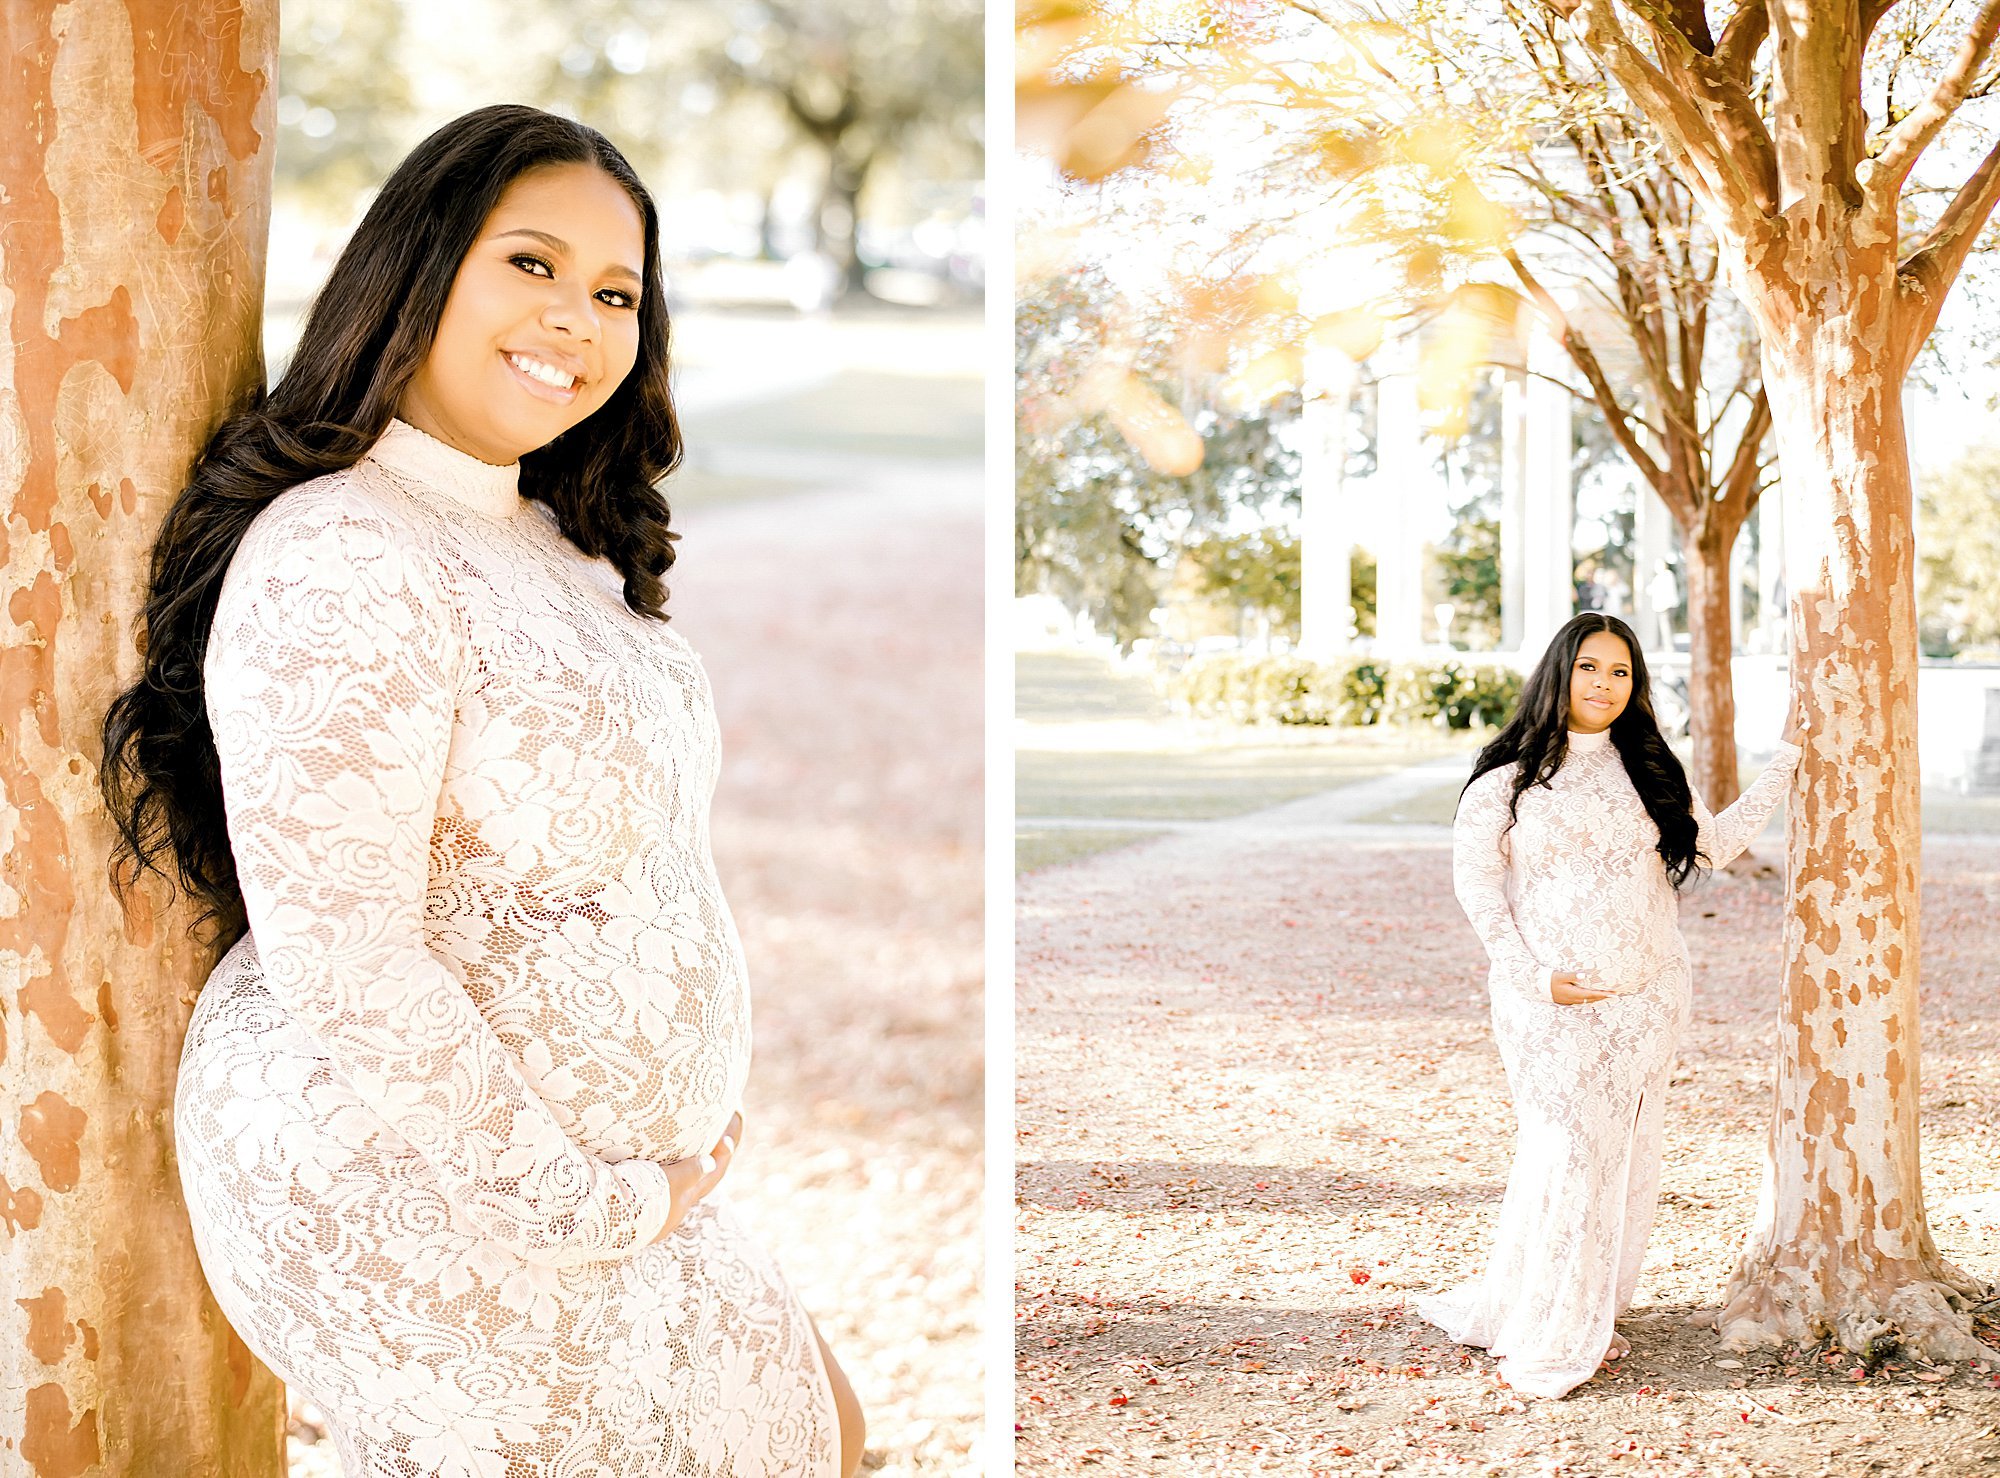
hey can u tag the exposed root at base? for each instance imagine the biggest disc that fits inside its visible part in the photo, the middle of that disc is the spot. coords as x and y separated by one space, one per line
1919 1316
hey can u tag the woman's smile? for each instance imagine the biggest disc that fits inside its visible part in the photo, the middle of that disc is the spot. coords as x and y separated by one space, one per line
542 379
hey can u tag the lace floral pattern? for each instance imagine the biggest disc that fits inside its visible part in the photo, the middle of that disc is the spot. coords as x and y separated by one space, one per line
1576 884
490 985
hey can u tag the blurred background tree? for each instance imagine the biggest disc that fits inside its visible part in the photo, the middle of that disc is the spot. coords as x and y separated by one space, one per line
845 138
1098 523
1958 557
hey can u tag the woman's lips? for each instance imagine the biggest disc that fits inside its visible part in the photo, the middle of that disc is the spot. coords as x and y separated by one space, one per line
539 390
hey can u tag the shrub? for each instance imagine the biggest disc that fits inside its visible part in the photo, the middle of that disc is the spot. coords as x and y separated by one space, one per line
1353 691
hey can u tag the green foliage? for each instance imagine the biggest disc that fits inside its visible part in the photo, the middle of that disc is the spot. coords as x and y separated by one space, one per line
1095 525
1958 557
1470 562
858 83
1255 571
1248 688
699 96
346 114
1361 591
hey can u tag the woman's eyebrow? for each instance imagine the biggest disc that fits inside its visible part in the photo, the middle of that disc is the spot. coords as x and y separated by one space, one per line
556 243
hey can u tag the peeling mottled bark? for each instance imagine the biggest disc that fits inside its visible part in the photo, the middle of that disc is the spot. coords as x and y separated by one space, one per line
1841 1245
135 166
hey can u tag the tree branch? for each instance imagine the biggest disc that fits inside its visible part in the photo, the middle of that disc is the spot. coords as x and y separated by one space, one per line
1927 273
1738 487
1747 30
1580 353
1704 116
1911 136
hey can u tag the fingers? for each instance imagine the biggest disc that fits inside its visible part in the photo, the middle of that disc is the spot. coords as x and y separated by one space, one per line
691 1179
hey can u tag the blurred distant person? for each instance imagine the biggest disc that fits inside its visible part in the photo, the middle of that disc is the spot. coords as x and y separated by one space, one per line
455 1102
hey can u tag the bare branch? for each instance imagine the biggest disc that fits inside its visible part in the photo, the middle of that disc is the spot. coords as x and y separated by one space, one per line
1690 19
1915 132
1927 273
1747 30
1615 416
1704 116
1738 487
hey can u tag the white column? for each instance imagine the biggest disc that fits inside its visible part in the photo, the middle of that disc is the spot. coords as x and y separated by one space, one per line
1326 533
1651 544
1548 565
1513 505
1405 482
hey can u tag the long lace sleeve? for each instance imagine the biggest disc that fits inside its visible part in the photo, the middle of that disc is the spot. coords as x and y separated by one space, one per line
1723 838
332 678
1479 858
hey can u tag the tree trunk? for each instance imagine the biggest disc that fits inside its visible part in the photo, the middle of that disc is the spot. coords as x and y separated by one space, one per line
839 216
135 173
1841 1245
1711 678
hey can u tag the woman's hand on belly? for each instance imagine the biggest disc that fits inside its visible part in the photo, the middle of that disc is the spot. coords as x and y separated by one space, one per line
691 1179
1565 990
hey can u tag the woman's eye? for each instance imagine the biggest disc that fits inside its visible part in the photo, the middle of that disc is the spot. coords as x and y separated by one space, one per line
625 299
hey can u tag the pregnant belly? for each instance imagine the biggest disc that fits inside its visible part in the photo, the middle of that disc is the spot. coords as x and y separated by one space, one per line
646 1087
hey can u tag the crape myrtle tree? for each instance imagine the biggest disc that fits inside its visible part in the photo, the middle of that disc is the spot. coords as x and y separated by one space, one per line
136 147
1760 115
1608 251
1474 149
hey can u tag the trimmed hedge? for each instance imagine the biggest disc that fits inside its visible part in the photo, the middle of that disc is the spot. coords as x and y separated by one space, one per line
1254 689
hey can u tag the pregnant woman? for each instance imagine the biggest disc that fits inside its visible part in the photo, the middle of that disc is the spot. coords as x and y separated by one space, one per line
414 732
1572 840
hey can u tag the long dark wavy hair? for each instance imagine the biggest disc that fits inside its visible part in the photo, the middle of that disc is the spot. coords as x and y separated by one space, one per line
1537 738
369 330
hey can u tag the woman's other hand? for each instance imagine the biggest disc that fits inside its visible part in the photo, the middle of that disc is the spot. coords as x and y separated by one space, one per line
1795 721
1564 990
691 1179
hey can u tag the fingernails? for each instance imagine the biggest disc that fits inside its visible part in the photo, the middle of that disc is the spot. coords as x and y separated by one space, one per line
729 1143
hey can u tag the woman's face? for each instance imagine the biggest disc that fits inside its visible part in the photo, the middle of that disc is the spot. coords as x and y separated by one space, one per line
542 324
1600 682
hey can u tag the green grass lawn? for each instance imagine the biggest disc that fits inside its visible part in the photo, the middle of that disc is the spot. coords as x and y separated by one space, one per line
1187 785
1190 776
1036 847
1075 687
1946 813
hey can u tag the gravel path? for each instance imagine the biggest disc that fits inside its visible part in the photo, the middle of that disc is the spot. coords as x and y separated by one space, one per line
1259 1101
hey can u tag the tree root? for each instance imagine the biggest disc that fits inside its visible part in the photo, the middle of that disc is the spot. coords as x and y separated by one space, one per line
1926 1316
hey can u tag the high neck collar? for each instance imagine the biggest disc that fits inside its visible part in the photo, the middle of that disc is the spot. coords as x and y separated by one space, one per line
480 486
1582 743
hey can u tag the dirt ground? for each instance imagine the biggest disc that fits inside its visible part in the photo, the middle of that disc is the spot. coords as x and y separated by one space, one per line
842 634
1259 1104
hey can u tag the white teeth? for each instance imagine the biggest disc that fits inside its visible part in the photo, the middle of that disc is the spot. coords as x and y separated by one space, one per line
548 374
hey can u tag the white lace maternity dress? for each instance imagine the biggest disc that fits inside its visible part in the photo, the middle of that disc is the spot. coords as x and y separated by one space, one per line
490 985
1577 885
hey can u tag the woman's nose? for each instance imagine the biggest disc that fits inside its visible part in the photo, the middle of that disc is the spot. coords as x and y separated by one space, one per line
570 310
